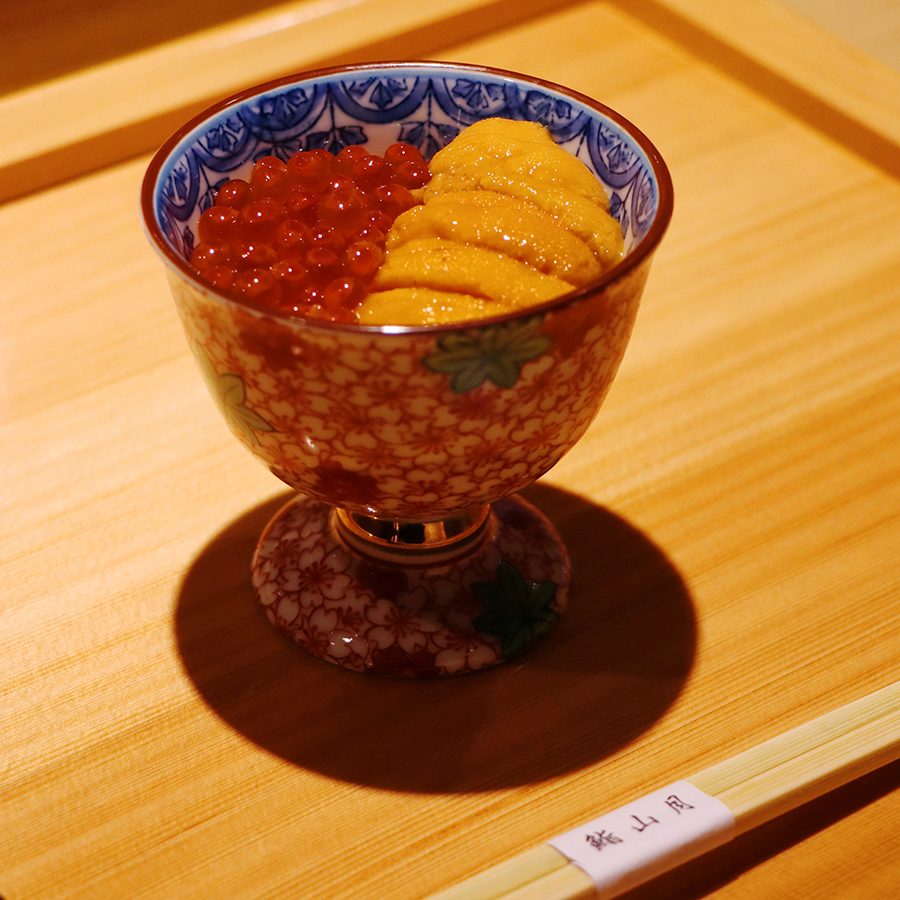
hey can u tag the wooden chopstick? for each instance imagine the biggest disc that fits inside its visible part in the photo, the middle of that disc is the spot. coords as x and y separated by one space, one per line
757 785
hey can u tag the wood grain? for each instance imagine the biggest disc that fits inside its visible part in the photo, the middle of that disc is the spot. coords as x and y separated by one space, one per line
784 58
732 516
872 25
45 39
795 50
91 118
760 784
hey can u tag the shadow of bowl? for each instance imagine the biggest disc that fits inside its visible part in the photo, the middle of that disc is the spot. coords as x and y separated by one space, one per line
613 666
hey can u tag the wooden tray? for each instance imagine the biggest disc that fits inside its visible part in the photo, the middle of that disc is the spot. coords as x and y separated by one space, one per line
733 514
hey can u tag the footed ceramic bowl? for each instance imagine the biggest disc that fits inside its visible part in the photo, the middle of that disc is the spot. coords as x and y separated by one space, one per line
400 438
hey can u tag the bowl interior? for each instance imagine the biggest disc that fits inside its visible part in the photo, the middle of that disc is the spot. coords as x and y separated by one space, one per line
375 105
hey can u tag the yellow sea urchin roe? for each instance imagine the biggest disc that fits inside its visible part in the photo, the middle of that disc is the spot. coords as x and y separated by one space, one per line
448 266
516 228
509 218
521 159
520 150
424 306
578 215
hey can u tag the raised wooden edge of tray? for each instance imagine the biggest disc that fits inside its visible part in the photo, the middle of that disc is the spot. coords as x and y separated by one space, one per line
813 74
99 116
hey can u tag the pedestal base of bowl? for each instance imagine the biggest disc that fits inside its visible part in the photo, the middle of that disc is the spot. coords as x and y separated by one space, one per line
409 610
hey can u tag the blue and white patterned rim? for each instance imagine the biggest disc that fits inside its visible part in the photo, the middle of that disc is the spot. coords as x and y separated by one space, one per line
422 105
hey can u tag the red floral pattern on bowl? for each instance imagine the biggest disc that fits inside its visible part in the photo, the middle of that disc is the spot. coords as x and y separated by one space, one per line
393 424
423 621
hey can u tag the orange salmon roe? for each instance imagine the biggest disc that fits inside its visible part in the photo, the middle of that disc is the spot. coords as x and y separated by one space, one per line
305 237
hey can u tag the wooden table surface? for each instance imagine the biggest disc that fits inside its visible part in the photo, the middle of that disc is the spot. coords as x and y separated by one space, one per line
733 514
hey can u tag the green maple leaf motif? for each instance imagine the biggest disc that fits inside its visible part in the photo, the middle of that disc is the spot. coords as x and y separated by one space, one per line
493 353
516 611
230 393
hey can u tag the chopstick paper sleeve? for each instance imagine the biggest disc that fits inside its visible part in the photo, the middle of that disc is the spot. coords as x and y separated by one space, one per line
646 837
